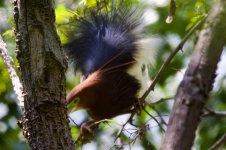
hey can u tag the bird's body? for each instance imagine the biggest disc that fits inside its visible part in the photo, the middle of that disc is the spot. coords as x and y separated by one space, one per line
106 95
105 51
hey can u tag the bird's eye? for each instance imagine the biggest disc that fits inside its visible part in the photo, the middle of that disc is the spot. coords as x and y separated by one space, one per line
76 100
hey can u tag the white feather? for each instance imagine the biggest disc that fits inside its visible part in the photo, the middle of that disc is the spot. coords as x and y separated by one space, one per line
147 50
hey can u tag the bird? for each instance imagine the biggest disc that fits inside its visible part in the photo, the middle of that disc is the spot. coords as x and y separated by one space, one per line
110 52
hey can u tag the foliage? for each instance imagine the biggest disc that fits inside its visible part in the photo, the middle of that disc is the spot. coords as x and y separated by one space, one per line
187 14
10 134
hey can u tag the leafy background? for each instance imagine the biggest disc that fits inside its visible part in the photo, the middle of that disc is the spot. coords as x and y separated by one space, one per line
167 35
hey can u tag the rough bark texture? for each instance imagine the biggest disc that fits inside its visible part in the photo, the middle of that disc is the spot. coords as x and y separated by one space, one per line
42 65
193 91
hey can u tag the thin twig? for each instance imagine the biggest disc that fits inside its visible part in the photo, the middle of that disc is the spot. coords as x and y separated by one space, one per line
154 120
17 86
162 100
123 126
73 121
158 113
138 133
219 142
170 57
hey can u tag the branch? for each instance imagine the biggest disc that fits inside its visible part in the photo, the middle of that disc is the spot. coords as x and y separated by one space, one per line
130 121
210 112
123 126
17 86
159 124
158 113
162 100
170 57
219 142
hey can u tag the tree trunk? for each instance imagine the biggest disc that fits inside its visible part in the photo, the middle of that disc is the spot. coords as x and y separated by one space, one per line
198 80
42 65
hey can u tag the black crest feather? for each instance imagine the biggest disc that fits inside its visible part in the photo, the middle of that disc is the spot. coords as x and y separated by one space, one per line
105 38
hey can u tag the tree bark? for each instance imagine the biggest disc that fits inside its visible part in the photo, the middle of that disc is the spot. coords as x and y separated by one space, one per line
198 80
42 65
